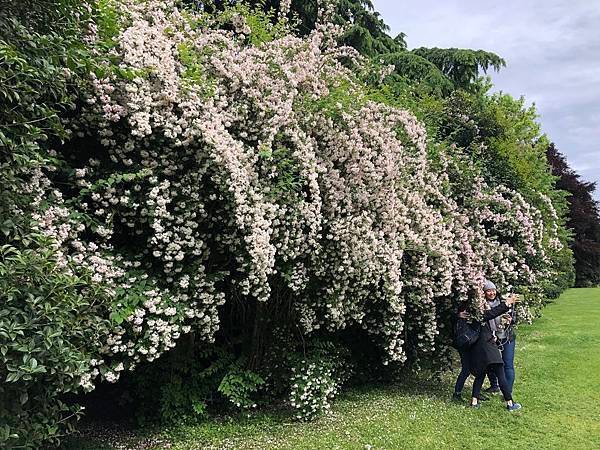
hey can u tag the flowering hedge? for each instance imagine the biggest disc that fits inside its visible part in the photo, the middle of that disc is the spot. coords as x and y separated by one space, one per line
226 167
220 159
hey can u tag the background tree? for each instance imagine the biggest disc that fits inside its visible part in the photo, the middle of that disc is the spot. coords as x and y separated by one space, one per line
583 218
461 66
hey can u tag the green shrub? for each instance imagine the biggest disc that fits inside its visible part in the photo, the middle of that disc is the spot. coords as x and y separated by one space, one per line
187 383
49 320
50 315
239 385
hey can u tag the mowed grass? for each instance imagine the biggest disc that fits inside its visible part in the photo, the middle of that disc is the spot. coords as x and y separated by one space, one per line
558 383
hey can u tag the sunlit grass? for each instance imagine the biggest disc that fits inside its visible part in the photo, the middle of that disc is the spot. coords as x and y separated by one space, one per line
558 383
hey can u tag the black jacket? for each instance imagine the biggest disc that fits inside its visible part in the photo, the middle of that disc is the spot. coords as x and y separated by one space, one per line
485 351
511 333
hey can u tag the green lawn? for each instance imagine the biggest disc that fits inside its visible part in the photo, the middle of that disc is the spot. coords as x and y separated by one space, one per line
558 383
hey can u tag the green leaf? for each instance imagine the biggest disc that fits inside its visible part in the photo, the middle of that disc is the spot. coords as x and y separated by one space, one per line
13 377
116 317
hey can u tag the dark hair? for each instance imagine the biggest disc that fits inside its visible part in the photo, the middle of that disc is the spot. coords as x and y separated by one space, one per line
462 307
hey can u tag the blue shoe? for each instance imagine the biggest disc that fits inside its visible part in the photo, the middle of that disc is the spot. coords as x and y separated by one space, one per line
513 407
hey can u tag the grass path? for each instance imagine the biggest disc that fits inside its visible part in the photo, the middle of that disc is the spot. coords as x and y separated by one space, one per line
558 383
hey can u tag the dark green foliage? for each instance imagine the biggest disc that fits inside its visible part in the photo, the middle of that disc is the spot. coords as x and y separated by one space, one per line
367 32
49 318
40 57
583 218
48 321
442 71
189 382
461 66
40 52
418 70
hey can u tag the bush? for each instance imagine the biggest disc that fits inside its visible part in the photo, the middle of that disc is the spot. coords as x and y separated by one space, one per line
52 313
239 386
187 384
316 380
49 323
276 183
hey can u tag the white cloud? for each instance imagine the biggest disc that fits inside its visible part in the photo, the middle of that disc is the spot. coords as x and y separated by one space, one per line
551 48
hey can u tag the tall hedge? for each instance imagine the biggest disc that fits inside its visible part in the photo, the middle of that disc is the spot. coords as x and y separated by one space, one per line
209 187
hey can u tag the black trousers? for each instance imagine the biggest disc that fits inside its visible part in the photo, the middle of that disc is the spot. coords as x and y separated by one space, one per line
498 370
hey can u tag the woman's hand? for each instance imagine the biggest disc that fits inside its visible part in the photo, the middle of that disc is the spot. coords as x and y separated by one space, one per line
514 298
505 319
464 315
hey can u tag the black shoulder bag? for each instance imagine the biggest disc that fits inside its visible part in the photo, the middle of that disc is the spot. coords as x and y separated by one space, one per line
465 334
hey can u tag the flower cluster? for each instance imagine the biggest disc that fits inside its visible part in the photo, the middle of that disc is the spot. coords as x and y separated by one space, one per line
225 168
313 387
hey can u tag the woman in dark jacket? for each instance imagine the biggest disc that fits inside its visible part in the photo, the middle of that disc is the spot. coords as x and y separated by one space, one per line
484 355
506 338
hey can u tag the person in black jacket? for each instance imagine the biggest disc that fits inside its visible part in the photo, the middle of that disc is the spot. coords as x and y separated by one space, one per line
503 327
484 355
465 371
463 315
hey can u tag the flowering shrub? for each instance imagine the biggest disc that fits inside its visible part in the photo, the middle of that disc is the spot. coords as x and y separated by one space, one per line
314 385
227 167
316 379
220 162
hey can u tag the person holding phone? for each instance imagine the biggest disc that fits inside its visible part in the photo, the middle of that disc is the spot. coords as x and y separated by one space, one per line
503 327
462 314
484 355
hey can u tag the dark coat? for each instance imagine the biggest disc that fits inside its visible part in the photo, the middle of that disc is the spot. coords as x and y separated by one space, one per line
511 333
485 351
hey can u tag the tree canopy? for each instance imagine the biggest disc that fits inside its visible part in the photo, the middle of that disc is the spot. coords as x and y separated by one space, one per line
583 218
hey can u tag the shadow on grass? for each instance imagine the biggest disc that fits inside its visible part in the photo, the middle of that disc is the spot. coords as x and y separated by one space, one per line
273 418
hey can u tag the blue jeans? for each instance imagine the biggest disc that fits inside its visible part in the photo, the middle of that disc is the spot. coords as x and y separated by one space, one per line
508 356
464 372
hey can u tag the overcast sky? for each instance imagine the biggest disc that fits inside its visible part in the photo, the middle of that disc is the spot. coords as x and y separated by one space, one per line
552 51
